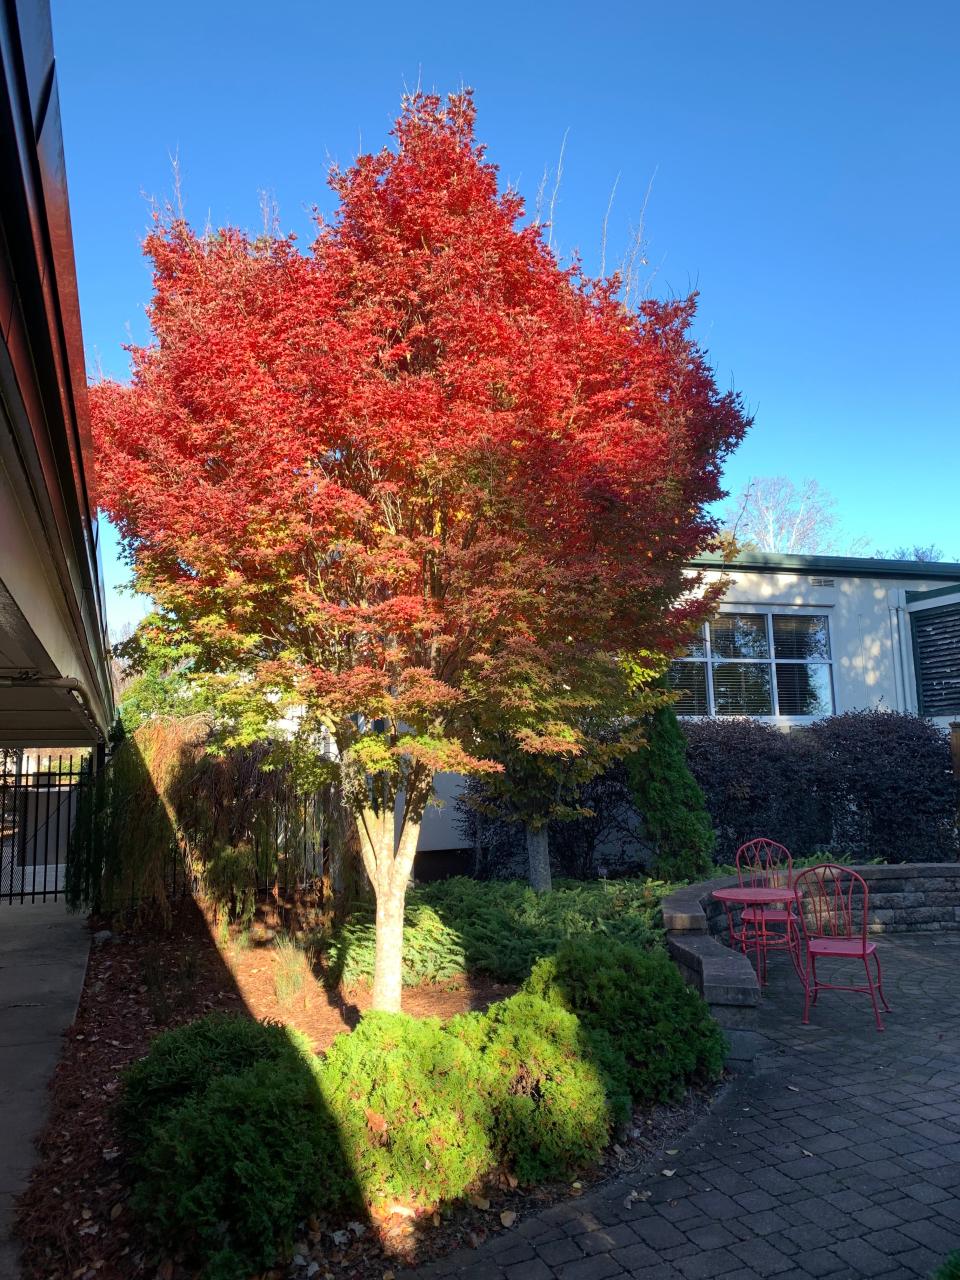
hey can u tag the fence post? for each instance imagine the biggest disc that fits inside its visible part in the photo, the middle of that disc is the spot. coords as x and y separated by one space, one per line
955 748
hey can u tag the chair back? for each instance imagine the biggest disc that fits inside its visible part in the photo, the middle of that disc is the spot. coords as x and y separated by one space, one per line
832 902
763 864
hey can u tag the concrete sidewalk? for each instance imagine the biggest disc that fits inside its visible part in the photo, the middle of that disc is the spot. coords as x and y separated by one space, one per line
43 958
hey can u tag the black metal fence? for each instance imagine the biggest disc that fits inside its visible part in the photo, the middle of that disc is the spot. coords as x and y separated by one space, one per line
40 795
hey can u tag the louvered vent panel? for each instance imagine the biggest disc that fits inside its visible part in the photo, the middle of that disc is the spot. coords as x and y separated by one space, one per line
937 633
822 582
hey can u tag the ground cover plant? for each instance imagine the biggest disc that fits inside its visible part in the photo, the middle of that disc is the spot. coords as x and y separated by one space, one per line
497 928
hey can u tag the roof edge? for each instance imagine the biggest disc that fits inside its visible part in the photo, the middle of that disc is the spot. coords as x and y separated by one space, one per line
840 566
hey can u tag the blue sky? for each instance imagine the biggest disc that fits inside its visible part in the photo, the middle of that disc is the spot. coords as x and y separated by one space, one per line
802 158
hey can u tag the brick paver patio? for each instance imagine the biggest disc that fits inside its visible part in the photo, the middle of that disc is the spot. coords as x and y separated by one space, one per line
835 1152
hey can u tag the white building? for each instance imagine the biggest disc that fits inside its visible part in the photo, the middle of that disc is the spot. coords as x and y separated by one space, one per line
800 637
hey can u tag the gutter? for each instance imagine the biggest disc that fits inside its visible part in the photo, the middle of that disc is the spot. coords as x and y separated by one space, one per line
71 684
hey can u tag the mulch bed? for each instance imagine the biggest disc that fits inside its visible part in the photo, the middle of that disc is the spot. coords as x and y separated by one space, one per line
73 1220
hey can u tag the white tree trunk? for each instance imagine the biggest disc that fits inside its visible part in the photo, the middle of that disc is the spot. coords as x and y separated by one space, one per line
538 854
389 870
388 967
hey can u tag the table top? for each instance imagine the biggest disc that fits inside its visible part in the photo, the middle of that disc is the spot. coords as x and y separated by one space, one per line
752 894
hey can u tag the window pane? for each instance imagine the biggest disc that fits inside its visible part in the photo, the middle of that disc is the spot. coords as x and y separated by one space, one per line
804 689
742 689
795 636
739 635
696 646
689 679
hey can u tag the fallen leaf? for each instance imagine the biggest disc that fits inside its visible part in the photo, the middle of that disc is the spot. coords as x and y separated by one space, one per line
508 1217
793 1088
675 1151
668 1173
479 1202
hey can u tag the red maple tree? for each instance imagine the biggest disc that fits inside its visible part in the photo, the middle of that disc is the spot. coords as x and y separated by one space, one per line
417 479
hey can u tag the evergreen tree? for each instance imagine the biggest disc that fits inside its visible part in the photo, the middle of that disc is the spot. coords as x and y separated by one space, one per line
670 800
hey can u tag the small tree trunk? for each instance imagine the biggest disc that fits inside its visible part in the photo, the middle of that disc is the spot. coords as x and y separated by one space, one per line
538 854
389 870
388 966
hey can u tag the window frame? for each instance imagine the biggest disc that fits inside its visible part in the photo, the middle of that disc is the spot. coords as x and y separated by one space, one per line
771 661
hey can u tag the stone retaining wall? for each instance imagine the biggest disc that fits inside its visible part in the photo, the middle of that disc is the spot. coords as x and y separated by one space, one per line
909 898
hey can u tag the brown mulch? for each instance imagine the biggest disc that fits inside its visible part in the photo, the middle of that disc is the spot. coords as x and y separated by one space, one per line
73 1221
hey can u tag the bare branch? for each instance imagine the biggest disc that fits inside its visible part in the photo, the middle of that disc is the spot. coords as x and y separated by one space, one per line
556 185
606 219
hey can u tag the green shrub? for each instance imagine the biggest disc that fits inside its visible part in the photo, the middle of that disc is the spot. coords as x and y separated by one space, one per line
230 1141
555 1091
229 1173
638 998
413 1123
181 1064
950 1269
496 927
666 793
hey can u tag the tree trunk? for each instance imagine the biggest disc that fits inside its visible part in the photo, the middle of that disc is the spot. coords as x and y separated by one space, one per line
538 853
388 966
389 870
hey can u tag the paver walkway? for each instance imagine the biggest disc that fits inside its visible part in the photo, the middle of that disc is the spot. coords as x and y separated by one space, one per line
835 1152
43 957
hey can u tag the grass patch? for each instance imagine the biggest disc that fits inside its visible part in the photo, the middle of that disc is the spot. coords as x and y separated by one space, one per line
292 969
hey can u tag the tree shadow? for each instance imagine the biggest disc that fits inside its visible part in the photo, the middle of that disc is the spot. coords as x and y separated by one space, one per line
127 867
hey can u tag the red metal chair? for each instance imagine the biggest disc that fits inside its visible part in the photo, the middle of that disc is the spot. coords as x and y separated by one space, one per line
832 907
765 864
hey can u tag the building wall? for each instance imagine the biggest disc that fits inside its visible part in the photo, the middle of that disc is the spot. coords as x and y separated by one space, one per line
869 627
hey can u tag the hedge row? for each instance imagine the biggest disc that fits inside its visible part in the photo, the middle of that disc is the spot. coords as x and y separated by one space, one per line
867 784
235 1131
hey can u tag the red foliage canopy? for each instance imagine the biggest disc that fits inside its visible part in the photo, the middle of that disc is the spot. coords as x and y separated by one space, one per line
411 472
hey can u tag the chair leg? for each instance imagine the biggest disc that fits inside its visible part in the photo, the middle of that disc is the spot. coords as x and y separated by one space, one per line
876 960
873 994
795 946
806 988
816 986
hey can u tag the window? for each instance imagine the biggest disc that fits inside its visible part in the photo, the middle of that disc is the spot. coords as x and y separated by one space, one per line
757 664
